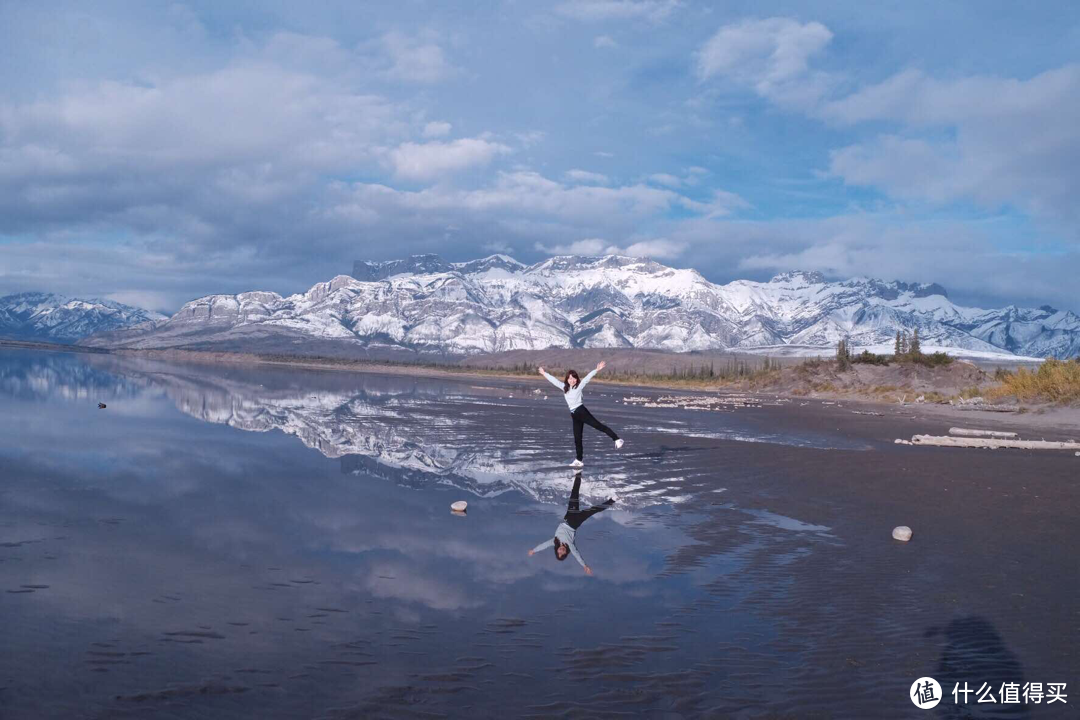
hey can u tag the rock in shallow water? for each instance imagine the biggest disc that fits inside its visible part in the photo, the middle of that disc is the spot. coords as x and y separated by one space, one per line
901 533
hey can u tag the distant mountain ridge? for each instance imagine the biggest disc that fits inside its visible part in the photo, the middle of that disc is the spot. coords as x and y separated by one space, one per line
425 304
62 319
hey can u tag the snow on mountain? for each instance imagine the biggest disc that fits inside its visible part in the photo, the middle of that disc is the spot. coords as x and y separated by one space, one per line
425 304
60 319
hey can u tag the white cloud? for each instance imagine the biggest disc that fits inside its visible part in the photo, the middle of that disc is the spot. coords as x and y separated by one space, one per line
602 154
604 42
589 246
666 180
427 161
1005 141
530 192
530 138
308 53
952 140
964 256
188 154
234 114
771 56
600 10
407 585
585 177
657 249
393 57
153 275
496 246
437 129
415 59
691 176
722 204
908 168
523 205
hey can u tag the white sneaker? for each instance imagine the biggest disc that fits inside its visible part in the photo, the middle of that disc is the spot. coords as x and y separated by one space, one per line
577 463
618 444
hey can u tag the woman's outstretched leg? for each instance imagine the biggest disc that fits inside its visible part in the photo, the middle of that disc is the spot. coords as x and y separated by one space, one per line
587 417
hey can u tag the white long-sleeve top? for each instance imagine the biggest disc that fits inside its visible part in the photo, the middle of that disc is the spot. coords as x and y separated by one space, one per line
573 395
566 535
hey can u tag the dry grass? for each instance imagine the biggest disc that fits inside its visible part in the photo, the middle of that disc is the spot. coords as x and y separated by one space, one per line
1055 381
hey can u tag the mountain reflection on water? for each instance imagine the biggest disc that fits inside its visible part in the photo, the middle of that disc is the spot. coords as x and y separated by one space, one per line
410 430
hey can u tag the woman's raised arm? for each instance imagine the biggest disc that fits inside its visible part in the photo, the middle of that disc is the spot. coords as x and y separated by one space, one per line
552 379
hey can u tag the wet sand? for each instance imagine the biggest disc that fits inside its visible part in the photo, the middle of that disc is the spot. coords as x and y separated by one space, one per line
747 569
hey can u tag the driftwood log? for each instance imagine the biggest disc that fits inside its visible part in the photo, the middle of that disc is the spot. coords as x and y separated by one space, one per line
993 443
990 408
965 432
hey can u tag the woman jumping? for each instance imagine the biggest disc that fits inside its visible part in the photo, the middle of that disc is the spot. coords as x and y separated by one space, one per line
572 386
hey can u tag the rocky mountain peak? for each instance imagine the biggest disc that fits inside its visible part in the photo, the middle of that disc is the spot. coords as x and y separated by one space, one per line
426 305
58 318
805 277
415 265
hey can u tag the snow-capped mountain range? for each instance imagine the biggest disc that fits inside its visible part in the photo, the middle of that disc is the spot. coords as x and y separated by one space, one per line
425 304
61 319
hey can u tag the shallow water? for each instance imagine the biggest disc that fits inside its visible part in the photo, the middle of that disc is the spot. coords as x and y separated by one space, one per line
241 542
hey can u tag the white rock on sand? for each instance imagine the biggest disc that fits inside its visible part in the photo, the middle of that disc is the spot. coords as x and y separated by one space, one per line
459 506
901 533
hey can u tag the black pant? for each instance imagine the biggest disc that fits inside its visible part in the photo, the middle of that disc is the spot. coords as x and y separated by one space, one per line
583 417
574 514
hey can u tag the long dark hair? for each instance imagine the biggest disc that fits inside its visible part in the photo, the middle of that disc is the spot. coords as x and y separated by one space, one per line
557 545
566 380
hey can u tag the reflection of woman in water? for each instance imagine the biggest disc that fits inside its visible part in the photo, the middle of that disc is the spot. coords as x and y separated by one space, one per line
572 385
567 530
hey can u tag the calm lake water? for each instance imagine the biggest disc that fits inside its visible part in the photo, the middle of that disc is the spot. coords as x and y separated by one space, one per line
243 542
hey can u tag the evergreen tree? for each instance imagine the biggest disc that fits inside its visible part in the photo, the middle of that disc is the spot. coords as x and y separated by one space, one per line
843 355
903 343
916 349
896 349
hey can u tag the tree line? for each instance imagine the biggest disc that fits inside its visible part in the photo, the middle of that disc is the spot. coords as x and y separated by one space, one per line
906 349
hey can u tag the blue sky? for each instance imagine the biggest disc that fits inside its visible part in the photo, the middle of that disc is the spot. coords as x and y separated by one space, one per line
154 152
